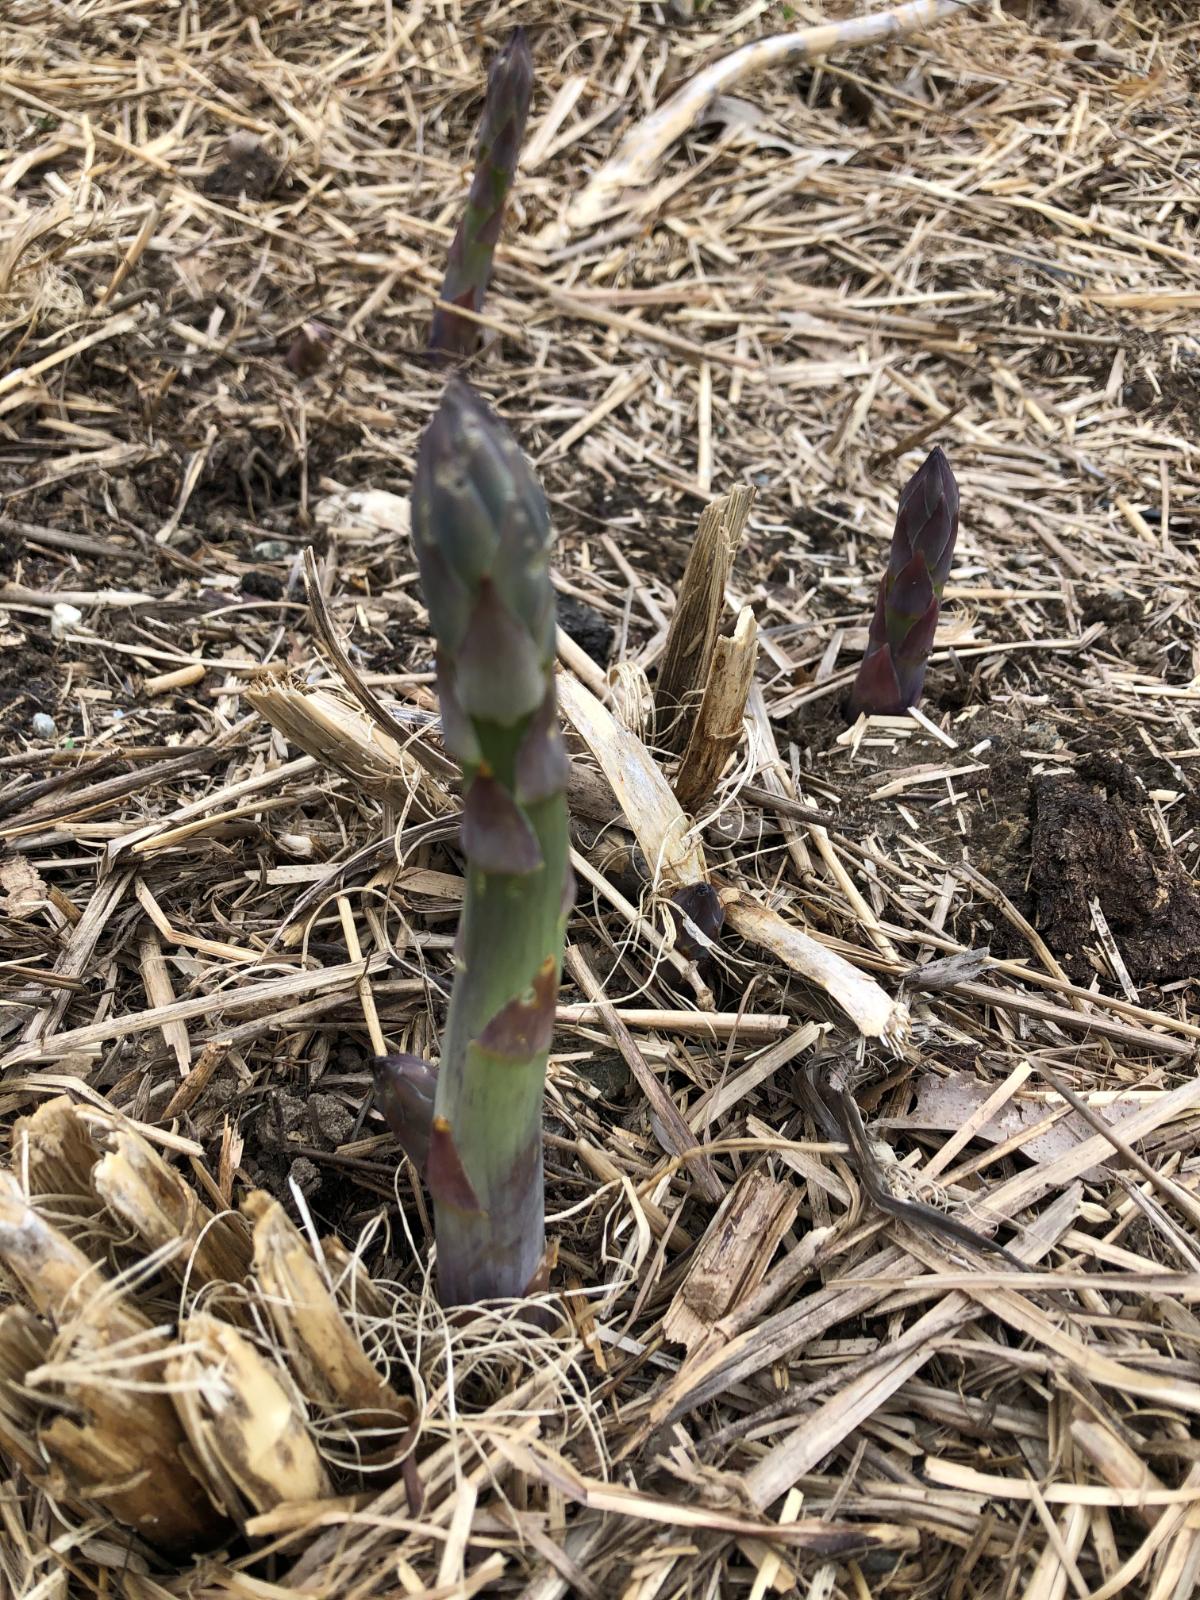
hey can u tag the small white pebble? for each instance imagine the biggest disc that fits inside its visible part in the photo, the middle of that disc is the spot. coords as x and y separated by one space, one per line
63 617
42 725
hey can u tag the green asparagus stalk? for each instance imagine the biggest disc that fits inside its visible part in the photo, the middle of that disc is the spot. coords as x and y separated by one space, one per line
506 106
482 536
892 674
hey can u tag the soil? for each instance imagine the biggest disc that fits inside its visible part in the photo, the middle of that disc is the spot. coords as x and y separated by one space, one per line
28 680
590 631
1053 842
247 168
1091 842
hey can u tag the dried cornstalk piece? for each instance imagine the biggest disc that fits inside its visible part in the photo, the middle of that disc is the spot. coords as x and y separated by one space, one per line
674 854
870 1007
116 1439
24 1343
137 1185
323 1350
247 1430
56 1153
732 1258
717 730
340 735
640 151
631 697
686 664
353 1286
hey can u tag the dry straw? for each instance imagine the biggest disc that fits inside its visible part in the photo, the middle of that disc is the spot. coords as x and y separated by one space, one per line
222 875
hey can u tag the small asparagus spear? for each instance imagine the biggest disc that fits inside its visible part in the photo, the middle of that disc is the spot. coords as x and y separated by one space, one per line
506 106
482 536
892 674
405 1087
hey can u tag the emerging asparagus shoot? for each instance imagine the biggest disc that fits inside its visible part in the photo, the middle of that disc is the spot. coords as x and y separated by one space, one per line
506 106
482 536
892 674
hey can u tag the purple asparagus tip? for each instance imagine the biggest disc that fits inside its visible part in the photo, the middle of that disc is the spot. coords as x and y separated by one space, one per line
900 639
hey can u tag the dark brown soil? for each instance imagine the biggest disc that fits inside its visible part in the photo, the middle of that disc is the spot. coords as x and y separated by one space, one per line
1091 840
583 623
247 168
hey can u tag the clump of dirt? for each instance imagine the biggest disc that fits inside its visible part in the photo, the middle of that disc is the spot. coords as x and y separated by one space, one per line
590 631
262 585
28 678
248 168
1089 841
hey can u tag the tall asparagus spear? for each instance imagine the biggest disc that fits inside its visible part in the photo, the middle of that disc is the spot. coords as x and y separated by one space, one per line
505 108
482 536
892 674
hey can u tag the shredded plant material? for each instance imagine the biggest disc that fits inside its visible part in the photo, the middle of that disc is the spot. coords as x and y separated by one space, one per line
741 283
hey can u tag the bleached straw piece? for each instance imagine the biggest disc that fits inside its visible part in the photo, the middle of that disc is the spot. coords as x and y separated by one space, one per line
717 730
249 1433
687 659
675 855
118 1444
644 146
342 736
164 1210
323 1350
872 1010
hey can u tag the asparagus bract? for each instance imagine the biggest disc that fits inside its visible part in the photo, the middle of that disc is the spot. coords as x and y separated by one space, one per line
482 536
892 674
505 108
405 1087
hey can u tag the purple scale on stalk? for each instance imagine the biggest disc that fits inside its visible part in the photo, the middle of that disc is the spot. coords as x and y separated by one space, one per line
495 831
445 1174
906 597
542 764
525 1026
878 686
498 675
458 731
448 600
404 1087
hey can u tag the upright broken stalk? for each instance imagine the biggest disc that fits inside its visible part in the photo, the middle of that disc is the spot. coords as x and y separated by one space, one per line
506 106
892 674
482 536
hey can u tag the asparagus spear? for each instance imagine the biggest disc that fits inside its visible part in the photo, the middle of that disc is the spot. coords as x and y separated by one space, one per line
505 108
892 674
482 536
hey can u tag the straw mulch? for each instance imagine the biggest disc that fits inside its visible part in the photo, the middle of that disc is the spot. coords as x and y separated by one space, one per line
222 883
